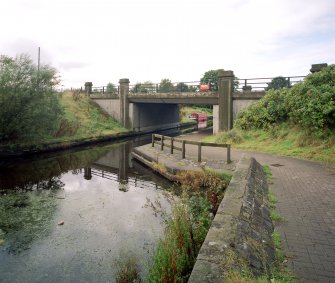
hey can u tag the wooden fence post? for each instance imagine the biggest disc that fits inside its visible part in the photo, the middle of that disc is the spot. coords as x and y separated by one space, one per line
162 142
171 149
183 149
228 153
199 152
153 140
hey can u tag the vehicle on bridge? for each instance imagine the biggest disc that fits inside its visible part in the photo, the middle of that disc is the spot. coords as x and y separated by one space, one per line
206 87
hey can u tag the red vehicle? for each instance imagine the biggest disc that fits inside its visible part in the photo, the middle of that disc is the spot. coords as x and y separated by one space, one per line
205 87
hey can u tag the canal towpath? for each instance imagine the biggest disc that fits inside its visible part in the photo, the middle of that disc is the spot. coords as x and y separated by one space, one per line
305 191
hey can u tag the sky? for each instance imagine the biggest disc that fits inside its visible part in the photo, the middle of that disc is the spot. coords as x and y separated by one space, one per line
103 41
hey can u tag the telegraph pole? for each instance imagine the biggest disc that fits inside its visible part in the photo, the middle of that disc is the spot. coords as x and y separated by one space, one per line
38 67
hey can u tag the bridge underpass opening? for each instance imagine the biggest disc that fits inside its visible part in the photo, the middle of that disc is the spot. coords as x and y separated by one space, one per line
153 116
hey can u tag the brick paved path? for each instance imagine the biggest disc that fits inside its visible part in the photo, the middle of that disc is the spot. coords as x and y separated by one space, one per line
306 200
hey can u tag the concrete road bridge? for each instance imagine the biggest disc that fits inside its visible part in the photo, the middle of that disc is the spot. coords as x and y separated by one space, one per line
158 111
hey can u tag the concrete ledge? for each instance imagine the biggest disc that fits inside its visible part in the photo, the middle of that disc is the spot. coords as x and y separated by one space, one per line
241 226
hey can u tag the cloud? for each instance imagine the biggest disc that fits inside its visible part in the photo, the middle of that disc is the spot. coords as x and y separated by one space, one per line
67 66
103 41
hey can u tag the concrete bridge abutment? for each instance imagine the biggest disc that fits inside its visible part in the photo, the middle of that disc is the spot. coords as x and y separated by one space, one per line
223 111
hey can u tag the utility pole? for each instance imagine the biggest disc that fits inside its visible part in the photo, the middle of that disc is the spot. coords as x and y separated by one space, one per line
38 67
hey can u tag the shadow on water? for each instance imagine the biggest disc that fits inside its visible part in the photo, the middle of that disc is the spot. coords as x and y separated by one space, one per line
99 197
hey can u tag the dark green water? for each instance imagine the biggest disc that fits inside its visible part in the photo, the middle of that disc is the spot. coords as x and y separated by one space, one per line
100 195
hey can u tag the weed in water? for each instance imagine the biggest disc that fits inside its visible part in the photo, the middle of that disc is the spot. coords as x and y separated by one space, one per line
127 269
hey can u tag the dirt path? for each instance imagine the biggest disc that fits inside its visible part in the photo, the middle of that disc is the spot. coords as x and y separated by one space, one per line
306 200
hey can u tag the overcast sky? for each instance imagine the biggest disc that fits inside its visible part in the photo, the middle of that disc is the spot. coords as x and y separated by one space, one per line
105 40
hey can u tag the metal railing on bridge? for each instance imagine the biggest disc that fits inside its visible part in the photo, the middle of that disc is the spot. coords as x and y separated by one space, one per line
260 84
165 87
105 90
252 84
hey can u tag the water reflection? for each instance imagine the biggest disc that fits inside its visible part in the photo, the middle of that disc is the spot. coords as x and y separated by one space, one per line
99 194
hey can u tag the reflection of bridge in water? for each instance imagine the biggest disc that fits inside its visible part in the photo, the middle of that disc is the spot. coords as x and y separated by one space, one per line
133 181
118 166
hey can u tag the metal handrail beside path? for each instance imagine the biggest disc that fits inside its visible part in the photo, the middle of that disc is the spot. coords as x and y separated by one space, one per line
159 139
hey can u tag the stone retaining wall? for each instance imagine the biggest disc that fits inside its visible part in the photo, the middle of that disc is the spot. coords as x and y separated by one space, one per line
241 229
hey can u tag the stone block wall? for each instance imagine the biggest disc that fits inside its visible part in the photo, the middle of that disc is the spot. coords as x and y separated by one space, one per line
241 229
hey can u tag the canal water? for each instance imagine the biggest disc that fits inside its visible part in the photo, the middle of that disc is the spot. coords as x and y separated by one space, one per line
75 216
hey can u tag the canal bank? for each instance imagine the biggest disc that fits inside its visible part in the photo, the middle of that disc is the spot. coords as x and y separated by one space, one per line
16 150
305 191
240 235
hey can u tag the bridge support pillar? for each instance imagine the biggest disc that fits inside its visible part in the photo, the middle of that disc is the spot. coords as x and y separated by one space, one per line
124 103
225 107
88 88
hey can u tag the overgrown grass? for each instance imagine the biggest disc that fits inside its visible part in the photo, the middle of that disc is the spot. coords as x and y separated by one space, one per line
283 139
187 226
81 119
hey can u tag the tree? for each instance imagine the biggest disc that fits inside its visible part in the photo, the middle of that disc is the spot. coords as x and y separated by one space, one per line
182 87
212 77
29 108
146 87
278 83
166 86
111 88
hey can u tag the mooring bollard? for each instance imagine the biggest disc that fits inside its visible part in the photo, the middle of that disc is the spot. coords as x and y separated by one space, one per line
199 152
183 149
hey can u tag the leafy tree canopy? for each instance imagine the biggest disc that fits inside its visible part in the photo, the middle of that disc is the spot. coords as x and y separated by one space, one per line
111 88
145 87
182 87
28 106
278 83
212 76
166 86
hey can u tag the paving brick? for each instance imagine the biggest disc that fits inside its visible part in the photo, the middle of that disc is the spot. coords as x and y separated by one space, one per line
306 194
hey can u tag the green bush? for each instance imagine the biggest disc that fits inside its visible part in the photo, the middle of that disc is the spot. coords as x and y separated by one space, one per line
309 104
267 111
28 107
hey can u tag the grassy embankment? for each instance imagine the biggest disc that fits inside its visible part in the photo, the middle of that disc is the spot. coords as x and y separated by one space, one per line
81 119
297 121
84 119
283 139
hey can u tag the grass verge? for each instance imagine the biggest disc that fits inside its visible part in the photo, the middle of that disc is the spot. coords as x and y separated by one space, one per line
283 139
